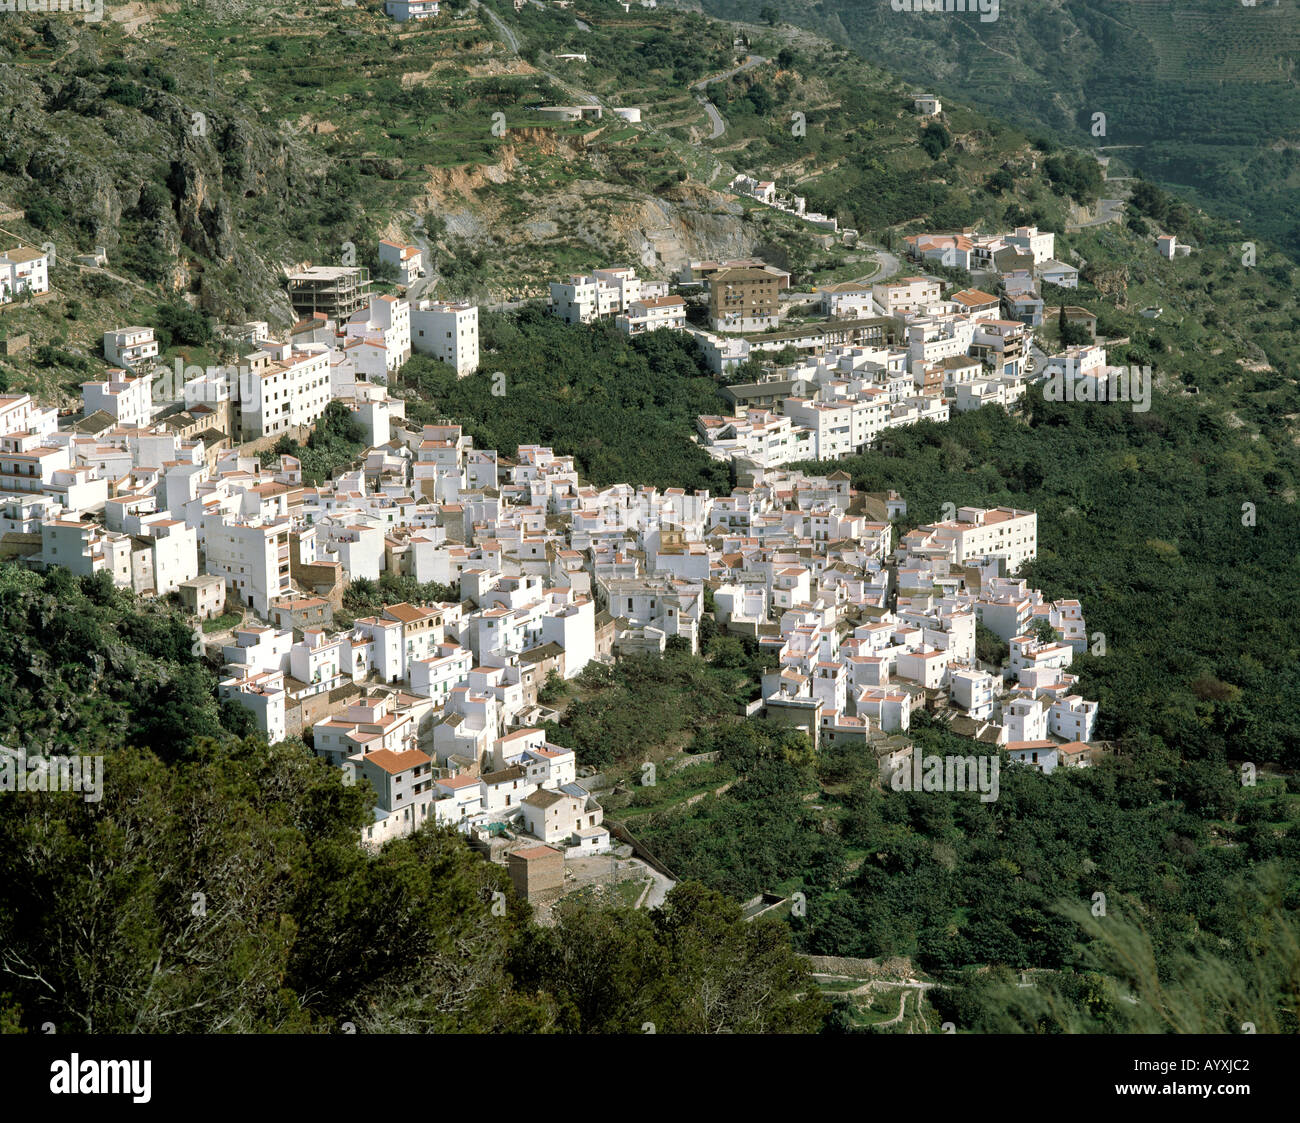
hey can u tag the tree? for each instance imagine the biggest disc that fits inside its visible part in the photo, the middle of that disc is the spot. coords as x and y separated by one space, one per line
769 15
935 139
552 688
179 323
1043 631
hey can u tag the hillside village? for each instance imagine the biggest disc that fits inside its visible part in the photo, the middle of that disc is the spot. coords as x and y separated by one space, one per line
543 444
440 706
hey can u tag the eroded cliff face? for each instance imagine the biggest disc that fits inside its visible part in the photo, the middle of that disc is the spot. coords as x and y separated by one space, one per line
108 160
205 199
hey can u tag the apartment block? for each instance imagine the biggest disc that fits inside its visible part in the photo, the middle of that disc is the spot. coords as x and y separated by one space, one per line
283 387
252 558
126 398
651 314
336 291
447 330
744 299
598 295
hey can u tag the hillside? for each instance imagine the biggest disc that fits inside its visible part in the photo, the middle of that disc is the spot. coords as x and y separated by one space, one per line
210 149
1202 94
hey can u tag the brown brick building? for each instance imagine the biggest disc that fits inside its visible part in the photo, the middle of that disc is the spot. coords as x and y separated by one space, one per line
744 299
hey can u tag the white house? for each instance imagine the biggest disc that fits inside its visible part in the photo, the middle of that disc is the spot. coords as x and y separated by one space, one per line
1030 241
596 295
128 346
1058 273
448 330
127 398
407 260
652 314
23 269
1170 247
252 558
973 691
1024 719
403 10
263 694
849 300
387 322
557 815
283 386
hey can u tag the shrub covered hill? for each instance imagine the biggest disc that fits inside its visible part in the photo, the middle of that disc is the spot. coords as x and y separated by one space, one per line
1198 94
209 148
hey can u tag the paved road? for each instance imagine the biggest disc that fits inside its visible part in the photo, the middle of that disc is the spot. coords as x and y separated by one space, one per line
417 288
1109 210
719 125
889 264
658 891
750 62
511 39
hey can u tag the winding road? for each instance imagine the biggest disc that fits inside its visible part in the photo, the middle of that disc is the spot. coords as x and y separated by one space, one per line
719 125
430 278
509 37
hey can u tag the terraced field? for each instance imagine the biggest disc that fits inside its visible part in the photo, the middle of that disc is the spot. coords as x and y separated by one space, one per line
1204 92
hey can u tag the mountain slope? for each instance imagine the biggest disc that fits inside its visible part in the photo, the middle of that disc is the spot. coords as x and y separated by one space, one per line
1201 94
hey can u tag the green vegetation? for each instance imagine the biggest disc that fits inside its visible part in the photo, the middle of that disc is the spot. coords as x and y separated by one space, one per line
619 406
1122 985
223 622
1140 517
1196 93
364 596
336 442
220 886
643 708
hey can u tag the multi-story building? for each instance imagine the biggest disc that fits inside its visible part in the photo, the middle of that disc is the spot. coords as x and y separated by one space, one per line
407 260
1024 719
20 413
651 314
403 10
1073 718
337 291
744 300
598 295
447 330
1001 532
911 294
1028 240
849 300
973 691
367 726
253 559
404 792
127 398
128 346
262 693
386 324
283 386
